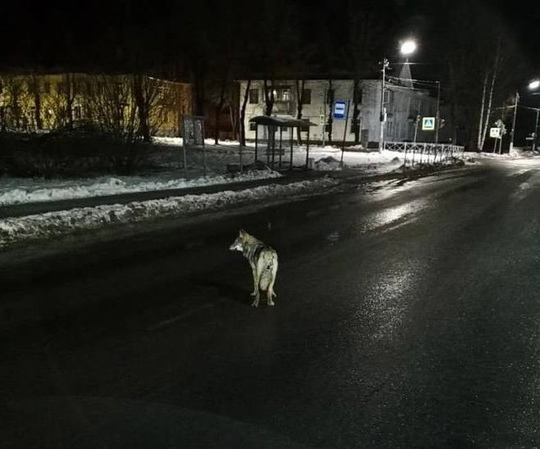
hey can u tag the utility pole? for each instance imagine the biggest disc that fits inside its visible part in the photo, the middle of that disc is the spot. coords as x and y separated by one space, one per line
437 120
535 141
513 133
382 117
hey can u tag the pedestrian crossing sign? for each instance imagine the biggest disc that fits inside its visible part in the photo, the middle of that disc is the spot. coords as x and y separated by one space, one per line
428 123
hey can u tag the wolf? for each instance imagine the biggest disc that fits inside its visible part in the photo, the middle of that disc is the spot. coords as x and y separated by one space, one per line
263 261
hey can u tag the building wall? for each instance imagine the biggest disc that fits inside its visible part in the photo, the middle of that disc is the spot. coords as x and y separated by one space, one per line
403 106
47 101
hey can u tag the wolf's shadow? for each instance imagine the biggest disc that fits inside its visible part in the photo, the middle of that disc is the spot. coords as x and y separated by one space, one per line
225 290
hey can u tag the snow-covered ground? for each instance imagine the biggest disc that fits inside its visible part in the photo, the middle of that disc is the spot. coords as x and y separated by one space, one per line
168 174
90 218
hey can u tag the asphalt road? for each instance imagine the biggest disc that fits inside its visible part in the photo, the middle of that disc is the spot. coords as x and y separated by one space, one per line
407 316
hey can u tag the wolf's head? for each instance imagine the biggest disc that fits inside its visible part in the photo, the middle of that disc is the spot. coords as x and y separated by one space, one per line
238 244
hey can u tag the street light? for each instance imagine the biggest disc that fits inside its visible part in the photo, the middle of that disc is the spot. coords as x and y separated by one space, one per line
407 48
533 85
513 132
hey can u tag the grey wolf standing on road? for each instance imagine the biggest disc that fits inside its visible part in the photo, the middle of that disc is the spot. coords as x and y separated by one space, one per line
263 261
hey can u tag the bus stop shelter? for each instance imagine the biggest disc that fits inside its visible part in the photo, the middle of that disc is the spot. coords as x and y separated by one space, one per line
273 125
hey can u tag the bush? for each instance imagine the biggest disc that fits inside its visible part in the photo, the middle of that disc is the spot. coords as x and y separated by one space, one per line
81 150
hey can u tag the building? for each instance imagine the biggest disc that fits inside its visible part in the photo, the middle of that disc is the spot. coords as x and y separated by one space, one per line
404 104
45 101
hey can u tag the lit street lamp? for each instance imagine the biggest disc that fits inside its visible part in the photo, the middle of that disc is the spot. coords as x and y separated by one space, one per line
532 86
382 117
513 132
407 48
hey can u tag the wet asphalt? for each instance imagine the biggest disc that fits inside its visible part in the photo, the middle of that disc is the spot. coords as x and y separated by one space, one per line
407 316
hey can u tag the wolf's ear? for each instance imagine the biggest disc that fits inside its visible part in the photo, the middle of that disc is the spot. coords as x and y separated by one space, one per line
242 232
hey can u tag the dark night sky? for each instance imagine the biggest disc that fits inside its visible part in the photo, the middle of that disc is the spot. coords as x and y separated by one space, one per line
61 34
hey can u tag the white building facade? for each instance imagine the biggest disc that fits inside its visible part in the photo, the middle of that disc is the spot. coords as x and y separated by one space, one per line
405 107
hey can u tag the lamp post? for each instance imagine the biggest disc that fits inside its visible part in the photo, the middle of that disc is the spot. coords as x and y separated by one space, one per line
382 116
533 85
438 114
513 132
408 47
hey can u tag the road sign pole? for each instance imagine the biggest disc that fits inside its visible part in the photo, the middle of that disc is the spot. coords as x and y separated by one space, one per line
345 132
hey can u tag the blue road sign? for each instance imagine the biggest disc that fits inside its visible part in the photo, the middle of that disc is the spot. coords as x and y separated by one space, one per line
340 110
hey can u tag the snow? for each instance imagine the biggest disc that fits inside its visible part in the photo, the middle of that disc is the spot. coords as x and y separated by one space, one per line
166 174
28 190
17 191
83 219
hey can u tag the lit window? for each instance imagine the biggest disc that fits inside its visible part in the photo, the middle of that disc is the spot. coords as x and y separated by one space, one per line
283 94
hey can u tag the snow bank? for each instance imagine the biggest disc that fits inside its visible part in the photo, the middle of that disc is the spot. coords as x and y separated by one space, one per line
83 219
17 191
327 163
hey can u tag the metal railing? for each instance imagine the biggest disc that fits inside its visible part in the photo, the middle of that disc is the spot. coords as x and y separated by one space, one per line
425 153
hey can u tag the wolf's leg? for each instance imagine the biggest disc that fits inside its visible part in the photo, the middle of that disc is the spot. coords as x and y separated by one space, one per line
255 283
255 302
270 291
256 293
259 272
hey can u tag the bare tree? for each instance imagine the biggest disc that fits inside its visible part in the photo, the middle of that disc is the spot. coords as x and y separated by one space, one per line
484 119
110 104
146 92
14 92
481 60
365 34
300 86
243 114
35 87
69 93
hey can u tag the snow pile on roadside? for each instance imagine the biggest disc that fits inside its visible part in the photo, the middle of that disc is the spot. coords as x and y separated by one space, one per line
516 153
17 191
59 223
328 164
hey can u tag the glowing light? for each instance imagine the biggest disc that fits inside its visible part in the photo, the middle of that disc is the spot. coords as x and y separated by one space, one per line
408 47
534 84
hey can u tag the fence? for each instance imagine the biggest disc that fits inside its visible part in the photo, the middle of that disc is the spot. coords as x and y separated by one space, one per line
425 153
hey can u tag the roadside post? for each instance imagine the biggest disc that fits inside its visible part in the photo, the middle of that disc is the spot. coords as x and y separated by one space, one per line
341 112
193 136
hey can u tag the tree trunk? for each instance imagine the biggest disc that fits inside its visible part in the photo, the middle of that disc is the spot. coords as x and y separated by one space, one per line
219 107
356 109
454 101
491 91
330 101
479 142
299 106
36 94
142 107
69 99
243 114
269 96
